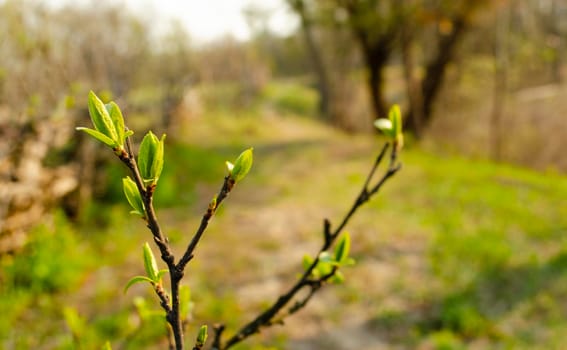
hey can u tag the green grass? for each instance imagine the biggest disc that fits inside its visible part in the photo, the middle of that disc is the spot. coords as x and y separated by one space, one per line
292 98
495 237
454 253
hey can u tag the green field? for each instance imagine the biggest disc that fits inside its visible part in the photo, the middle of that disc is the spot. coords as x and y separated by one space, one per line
452 254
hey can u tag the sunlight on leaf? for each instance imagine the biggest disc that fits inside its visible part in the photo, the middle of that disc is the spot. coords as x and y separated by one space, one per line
242 165
137 279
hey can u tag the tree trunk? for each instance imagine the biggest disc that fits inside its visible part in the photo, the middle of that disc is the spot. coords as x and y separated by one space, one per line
557 41
501 28
415 98
323 84
376 50
437 68
376 59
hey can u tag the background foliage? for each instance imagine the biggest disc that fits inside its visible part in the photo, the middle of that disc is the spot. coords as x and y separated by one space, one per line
465 249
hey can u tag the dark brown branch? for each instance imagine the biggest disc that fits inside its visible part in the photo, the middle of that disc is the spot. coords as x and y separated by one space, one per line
177 270
198 346
218 329
163 297
170 337
314 286
266 318
327 236
172 311
147 196
364 194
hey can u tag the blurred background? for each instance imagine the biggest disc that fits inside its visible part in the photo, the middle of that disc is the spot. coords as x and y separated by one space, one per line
465 248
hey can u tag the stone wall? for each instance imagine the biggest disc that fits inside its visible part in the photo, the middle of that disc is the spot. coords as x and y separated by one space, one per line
29 187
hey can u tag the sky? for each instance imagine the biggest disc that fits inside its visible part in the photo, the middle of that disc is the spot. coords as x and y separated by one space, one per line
207 20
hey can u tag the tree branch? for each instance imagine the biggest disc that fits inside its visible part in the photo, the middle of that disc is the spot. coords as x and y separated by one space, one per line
172 311
267 318
223 193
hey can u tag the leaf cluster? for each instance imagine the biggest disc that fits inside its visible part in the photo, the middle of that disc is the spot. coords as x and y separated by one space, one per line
328 264
108 124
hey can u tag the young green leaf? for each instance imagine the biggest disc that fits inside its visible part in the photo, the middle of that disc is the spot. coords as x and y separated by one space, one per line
137 279
108 122
117 121
242 165
325 265
150 264
145 154
150 157
396 117
157 165
384 125
99 136
323 269
348 262
342 249
202 336
107 346
325 257
100 117
133 196
161 273
392 127
338 278
307 261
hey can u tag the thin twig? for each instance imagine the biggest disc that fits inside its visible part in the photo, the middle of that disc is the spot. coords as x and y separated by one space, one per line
218 329
314 286
223 193
176 271
170 337
172 311
151 218
364 194
163 297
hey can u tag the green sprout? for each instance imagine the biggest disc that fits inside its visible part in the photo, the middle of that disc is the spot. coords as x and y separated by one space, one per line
202 336
133 196
108 122
392 127
241 166
153 275
150 158
329 264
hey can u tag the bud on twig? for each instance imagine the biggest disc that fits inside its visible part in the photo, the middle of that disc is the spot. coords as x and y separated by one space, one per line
150 158
241 166
392 127
133 196
202 336
108 122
